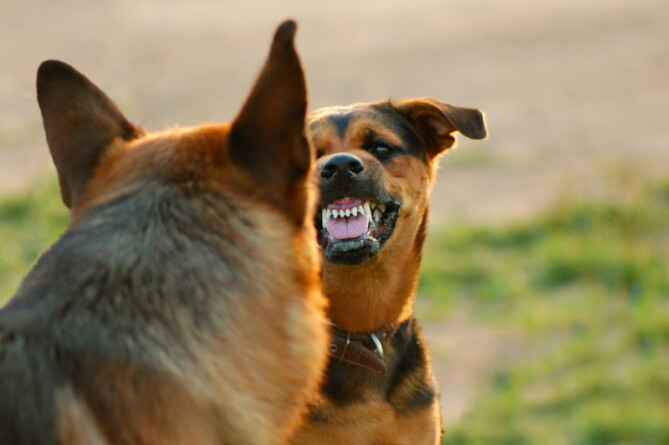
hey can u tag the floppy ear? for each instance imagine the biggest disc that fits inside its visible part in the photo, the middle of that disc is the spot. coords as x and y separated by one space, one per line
267 139
80 122
436 122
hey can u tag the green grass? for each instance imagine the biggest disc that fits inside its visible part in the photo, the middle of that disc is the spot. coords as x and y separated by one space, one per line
587 283
29 223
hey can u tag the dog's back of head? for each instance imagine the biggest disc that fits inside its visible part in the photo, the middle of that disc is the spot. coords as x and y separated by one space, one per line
187 284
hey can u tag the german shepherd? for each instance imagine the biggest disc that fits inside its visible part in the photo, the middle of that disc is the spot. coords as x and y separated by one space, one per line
376 163
183 303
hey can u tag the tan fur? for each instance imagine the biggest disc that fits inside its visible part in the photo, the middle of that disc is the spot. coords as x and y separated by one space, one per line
372 295
75 423
373 423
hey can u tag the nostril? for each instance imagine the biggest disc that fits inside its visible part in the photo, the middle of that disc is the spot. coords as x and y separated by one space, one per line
355 166
328 171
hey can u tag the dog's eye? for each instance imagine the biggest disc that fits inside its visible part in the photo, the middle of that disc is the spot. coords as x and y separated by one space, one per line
381 151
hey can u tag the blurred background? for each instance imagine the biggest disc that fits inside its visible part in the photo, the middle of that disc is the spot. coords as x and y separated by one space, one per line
545 288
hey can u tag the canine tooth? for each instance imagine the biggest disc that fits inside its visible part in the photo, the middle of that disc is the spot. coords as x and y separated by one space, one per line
354 211
366 210
359 210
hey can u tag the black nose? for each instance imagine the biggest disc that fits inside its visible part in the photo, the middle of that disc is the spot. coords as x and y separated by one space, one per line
342 166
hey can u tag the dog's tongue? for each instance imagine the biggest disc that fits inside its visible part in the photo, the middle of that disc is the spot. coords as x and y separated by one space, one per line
347 228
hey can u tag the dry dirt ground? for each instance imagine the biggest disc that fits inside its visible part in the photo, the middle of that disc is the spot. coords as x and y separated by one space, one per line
576 94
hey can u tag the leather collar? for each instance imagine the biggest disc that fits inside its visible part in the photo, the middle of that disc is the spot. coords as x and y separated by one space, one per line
363 350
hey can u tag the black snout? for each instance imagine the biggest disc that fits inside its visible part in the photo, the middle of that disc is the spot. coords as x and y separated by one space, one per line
342 167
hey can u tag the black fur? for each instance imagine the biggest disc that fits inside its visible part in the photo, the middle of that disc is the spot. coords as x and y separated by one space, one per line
411 359
340 122
347 384
394 120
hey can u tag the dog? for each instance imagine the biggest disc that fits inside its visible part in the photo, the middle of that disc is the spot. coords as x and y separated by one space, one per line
376 163
183 304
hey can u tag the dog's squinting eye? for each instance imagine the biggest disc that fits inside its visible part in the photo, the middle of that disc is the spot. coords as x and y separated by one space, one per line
381 151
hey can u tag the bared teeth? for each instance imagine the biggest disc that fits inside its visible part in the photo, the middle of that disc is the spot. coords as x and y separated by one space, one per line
377 210
371 210
325 215
367 211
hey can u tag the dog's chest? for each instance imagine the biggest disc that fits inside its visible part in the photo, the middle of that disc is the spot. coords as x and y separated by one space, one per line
372 422
354 424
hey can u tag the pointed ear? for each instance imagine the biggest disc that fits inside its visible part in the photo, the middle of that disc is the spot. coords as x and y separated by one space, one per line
267 140
436 122
80 122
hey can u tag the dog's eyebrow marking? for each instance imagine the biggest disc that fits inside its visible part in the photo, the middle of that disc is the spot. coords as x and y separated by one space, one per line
340 122
371 130
393 121
323 135
370 127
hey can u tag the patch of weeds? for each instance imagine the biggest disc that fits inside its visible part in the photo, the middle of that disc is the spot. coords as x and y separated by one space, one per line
29 223
589 284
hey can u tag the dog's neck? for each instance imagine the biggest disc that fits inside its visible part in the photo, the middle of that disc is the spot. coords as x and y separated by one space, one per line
379 292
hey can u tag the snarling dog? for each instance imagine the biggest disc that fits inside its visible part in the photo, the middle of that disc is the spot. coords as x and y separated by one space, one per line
376 163
183 303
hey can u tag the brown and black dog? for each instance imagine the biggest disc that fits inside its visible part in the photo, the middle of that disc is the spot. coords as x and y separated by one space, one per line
183 304
376 164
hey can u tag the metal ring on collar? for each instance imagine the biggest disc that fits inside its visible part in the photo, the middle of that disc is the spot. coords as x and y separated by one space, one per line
348 341
377 343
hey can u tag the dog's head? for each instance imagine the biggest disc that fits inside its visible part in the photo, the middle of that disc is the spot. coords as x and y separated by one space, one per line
263 155
196 246
236 195
376 163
